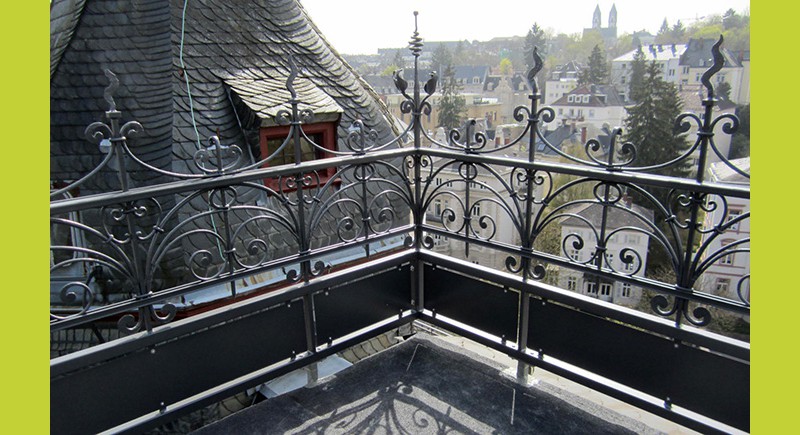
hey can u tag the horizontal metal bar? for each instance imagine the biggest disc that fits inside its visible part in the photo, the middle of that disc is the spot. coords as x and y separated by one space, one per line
617 176
127 306
714 342
597 383
198 401
103 352
103 199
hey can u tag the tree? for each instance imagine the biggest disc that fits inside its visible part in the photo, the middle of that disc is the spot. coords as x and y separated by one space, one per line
506 67
740 142
535 38
398 60
724 89
650 122
596 72
441 58
638 69
664 29
452 105
677 32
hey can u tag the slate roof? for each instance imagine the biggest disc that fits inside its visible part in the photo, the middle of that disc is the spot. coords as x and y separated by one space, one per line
610 92
230 52
470 71
698 54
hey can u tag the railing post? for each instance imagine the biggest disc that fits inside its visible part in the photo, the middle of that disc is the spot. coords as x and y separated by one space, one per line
415 45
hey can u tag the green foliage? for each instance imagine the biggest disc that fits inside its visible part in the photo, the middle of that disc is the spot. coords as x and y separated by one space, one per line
724 89
671 35
649 124
534 38
740 142
441 58
733 27
452 105
506 67
636 89
398 60
596 71
389 70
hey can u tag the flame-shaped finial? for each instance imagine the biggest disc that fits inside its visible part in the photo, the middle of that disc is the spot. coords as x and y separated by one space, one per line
719 61
538 63
108 93
292 76
415 44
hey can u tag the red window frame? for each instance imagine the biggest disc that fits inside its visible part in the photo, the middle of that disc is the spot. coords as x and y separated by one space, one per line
328 132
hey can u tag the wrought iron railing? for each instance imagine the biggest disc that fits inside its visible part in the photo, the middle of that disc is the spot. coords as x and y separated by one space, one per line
231 240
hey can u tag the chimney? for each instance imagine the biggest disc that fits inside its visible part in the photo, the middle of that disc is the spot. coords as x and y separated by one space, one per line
583 134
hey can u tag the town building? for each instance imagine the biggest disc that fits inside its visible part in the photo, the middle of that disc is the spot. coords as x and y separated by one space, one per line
562 80
684 64
625 251
729 275
600 106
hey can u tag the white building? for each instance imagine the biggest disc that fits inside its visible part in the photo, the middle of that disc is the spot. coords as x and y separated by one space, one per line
729 275
684 64
596 105
562 80
617 243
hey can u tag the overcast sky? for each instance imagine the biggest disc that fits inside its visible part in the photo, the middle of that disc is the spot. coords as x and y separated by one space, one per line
363 26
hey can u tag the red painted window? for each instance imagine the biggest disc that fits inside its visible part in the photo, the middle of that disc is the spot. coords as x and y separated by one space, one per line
323 134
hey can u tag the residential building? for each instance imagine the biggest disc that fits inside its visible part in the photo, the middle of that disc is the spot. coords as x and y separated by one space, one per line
729 275
696 59
625 249
596 105
684 64
562 80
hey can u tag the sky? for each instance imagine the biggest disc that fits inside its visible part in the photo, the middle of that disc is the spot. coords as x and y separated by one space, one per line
363 26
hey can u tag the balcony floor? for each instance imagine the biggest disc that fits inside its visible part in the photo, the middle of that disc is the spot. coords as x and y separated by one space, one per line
424 385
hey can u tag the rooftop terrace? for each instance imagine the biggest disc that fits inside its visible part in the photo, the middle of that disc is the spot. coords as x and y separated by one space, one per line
236 272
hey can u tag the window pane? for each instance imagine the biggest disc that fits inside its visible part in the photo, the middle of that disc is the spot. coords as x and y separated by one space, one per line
308 152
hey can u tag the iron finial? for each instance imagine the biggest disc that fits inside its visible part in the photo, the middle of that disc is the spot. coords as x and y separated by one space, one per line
719 61
292 76
538 63
108 93
415 44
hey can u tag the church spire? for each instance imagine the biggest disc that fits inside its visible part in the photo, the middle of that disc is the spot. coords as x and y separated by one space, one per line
596 18
612 17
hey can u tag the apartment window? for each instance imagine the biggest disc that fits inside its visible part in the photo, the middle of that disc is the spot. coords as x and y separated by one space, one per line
609 259
586 98
476 80
728 259
322 134
438 181
628 267
476 209
733 214
625 290
591 288
697 77
437 207
572 283
722 285
560 111
575 254
632 239
605 289
591 113
624 65
686 70
570 98
671 72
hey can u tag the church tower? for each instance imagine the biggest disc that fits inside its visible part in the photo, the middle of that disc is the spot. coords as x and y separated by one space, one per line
596 18
612 17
